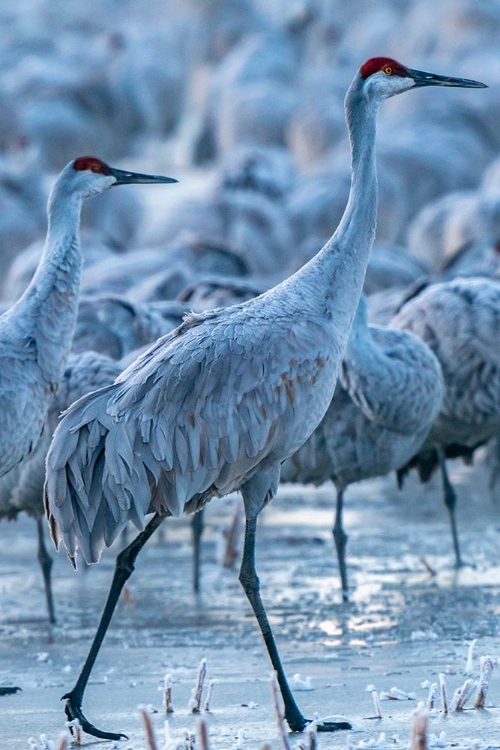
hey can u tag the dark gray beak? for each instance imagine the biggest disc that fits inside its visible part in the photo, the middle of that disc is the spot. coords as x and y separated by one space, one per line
431 79
131 178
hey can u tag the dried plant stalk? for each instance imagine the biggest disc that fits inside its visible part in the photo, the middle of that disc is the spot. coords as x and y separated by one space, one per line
279 713
195 702
203 734
189 740
469 667
232 536
167 695
442 692
462 695
486 668
431 698
210 691
150 735
420 729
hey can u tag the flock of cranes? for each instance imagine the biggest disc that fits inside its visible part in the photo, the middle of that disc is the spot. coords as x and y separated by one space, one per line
245 352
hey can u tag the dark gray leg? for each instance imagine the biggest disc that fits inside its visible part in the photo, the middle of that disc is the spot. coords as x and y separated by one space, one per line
197 527
450 501
340 539
251 586
46 563
123 570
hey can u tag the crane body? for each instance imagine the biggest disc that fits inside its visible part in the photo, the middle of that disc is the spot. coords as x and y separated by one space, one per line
389 393
223 400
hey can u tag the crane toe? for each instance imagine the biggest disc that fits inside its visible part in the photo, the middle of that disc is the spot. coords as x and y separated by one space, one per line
74 711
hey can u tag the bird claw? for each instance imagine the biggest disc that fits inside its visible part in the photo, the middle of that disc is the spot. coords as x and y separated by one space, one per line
332 726
9 690
73 710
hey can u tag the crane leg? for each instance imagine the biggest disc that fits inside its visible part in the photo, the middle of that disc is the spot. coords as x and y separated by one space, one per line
450 501
340 538
197 527
251 585
46 563
124 568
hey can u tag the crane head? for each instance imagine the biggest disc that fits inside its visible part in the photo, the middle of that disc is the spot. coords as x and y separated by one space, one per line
89 176
386 77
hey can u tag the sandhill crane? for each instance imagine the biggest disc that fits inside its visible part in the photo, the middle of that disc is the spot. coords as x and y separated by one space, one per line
21 488
389 392
460 321
36 333
221 402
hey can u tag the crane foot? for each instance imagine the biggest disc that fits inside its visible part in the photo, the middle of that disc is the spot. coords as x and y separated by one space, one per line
9 690
300 724
73 710
332 726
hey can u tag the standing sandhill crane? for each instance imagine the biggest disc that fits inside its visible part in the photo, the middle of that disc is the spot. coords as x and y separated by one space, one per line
460 321
222 401
21 488
389 392
36 333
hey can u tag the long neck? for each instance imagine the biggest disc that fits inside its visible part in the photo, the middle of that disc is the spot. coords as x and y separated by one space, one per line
47 310
339 268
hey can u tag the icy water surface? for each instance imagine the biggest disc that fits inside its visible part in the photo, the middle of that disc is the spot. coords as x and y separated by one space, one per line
403 626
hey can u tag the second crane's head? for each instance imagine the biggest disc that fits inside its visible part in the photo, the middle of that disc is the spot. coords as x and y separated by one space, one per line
88 176
382 77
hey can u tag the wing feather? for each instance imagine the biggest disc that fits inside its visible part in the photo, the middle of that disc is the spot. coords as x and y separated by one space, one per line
187 419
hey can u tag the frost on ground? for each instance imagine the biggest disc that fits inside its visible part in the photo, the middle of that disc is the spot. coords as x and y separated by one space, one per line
344 651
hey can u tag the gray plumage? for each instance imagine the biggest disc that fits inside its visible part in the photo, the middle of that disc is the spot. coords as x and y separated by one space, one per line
21 488
36 333
219 404
389 393
222 401
460 321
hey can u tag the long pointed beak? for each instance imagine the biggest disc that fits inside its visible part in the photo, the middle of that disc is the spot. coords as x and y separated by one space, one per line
431 79
129 178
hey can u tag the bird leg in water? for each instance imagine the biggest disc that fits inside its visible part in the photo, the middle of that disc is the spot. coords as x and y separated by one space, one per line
46 563
124 567
197 526
251 585
450 500
340 539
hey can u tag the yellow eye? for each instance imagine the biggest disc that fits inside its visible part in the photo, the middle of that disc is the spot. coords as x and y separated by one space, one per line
387 70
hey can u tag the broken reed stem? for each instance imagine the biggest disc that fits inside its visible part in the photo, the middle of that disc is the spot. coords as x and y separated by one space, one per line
167 695
150 735
232 535
420 728
442 692
210 691
376 703
469 667
312 736
279 713
462 695
203 740
486 668
195 702
64 742
431 698
189 740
